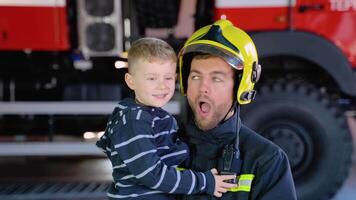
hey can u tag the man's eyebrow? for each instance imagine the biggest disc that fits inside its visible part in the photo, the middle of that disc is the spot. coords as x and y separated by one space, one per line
218 73
195 71
211 73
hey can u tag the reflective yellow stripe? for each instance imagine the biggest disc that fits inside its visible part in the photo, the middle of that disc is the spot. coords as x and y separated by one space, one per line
181 168
244 183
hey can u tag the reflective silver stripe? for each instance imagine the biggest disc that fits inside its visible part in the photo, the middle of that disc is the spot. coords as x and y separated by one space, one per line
244 183
138 114
113 153
173 154
161 178
139 156
177 183
193 183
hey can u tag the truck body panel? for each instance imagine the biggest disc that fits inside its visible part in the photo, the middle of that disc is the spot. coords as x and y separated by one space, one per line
330 19
40 26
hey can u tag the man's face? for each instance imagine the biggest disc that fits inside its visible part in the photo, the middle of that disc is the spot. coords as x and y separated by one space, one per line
210 90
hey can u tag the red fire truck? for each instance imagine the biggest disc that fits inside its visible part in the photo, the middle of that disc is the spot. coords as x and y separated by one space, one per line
57 74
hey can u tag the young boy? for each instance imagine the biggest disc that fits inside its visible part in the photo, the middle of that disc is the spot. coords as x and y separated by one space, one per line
141 138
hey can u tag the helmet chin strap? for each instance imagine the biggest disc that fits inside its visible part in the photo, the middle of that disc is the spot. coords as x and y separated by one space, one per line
232 109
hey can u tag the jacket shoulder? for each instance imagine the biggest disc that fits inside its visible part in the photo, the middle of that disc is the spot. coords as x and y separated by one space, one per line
254 146
269 164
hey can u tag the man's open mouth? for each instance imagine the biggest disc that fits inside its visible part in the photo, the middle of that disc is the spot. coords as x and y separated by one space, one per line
204 107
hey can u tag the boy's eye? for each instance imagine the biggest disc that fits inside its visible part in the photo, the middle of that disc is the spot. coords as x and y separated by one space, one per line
150 78
169 78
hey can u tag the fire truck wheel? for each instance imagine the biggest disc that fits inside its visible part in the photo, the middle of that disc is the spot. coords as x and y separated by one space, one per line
303 121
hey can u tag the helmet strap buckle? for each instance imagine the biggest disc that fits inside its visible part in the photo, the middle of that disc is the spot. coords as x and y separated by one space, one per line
249 95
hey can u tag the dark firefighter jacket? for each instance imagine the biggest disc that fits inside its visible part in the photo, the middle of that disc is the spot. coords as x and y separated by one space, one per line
262 168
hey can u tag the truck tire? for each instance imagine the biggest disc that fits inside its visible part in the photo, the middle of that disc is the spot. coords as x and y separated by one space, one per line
303 121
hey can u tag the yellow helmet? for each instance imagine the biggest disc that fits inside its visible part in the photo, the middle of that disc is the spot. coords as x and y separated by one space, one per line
230 43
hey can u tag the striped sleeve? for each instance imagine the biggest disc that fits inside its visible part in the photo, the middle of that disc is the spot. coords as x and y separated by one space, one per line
135 144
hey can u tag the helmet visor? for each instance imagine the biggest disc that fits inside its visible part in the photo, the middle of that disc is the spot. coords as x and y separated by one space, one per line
233 60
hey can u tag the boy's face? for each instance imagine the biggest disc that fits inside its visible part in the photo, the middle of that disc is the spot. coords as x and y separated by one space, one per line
152 81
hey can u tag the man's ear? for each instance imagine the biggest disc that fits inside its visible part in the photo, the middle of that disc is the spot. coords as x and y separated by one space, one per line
130 81
175 77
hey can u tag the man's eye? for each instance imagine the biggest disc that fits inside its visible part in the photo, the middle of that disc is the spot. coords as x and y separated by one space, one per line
150 78
216 79
169 78
194 77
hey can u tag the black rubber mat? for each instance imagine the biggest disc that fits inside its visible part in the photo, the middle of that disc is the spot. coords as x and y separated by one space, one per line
53 190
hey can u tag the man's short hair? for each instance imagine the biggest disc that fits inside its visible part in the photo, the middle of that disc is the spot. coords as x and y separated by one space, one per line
150 49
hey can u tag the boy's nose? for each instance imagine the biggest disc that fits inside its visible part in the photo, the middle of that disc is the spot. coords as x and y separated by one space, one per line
162 85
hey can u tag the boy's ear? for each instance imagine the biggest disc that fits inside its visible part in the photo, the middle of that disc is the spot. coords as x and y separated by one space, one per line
176 76
130 81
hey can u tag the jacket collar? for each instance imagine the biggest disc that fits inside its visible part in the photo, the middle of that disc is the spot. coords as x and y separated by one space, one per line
223 134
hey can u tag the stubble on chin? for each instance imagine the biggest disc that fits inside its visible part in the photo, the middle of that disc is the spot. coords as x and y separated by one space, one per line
210 122
205 124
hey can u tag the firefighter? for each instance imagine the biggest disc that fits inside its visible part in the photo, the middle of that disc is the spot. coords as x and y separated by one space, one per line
218 68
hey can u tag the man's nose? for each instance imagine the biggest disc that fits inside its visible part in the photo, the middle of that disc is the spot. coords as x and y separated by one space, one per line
204 86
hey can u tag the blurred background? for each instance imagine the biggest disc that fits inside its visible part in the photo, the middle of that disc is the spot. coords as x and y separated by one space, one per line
59 84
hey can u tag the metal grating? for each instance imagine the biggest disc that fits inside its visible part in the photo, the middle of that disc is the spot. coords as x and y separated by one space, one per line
53 190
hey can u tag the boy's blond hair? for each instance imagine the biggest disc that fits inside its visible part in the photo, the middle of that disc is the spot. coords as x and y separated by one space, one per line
150 49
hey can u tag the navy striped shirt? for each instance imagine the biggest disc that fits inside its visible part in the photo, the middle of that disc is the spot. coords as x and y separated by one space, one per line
141 143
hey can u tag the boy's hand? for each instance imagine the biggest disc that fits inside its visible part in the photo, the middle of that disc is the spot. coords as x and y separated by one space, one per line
220 185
